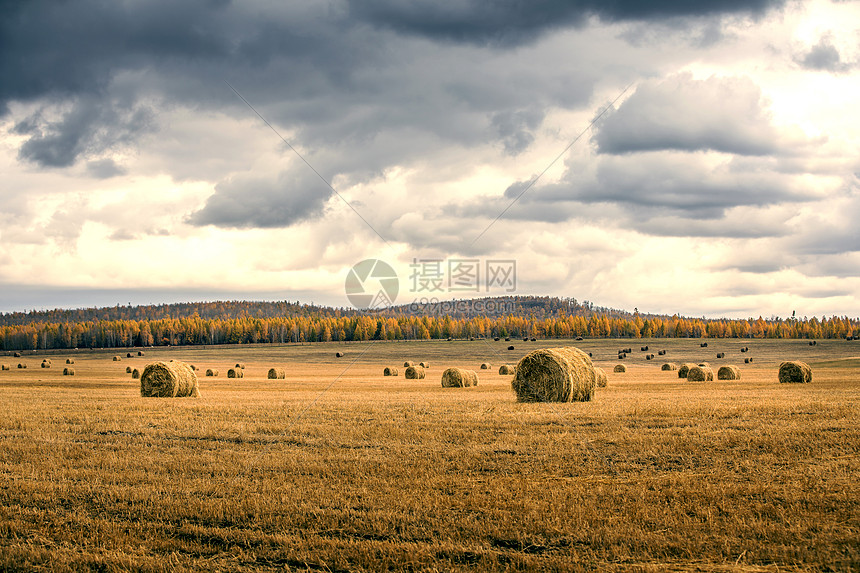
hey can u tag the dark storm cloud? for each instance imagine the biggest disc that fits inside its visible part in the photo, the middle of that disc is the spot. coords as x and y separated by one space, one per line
518 21
516 128
255 201
824 57
682 113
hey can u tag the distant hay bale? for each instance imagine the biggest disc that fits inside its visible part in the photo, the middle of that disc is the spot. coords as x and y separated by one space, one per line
424 365
193 367
534 339
578 338
507 339
510 347
235 373
45 364
649 356
212 372
168 380
555 375
661 352
117 359
704 364
644 349
415 373
240 365
408 363
276 374
704 345
507 369
5 367
459 378
619 368
684 369
128 369
496 339
70 360
135 373
128 355
728 373
526 339
338 354
21 365
669 366
16 355
746 360
390 371
600 377
140 352
744 349
700 374
68 371
721 354
485 366
795 372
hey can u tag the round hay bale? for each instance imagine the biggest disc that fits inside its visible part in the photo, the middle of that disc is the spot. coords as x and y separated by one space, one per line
555 375
507 339
746 360
526 339
744 349
211 372
510 347
424 365
648 357
485 366
70 360
459 378
728 373
68 371
644 348
117 359
534 339
128 369
45 364
700 374
669 366
16 355
168 380
408 363
600 377
496 339
684 369
795 372
235 373
507 369
135 373
415 373
140 352
5 367
390 371
704 364
704 345
22 365
338 354
128 355
240 365
578 338
276 374
619 368
721 354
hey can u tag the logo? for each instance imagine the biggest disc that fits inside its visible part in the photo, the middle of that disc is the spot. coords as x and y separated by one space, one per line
372 284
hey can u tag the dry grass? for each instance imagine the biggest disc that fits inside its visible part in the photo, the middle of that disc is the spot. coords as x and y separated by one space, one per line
653 475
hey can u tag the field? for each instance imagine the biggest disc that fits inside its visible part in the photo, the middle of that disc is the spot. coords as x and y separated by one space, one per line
337 468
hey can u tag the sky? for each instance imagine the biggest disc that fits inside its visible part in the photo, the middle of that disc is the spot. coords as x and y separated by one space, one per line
676 157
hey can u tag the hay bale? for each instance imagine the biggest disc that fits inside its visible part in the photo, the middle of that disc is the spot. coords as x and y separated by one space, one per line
526 339
70 360
684 369
510 347
338 354
721 354
5 367
578 338
424 365
276 374
459 378
704 364
485 366
555 375
117 359
45 364
22 365
211 372
390 371
700 374
140 352
534 339
128 355
168 380
235 373
16 355
507 369
744 349
728 373
128 369
619 368
496 339
704 345
649 356
600 377
68 371
644 349
795 372
408 363
415 373
746 360
507 339
240 365
669 366
135 373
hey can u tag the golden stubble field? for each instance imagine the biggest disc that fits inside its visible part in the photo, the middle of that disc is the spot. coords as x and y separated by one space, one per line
337 468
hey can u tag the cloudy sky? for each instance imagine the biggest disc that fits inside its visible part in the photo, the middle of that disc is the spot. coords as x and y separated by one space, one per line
691 157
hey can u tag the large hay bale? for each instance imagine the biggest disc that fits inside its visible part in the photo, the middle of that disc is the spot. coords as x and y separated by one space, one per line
459 378
390 371
669 366
135 373
117 359
619 368
700 374
415 373
276 374
70 360
795 372
600 377
684 369
235 373
555 375
68 371
168 380
507 369
485 366
728 373
408 363
211 372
